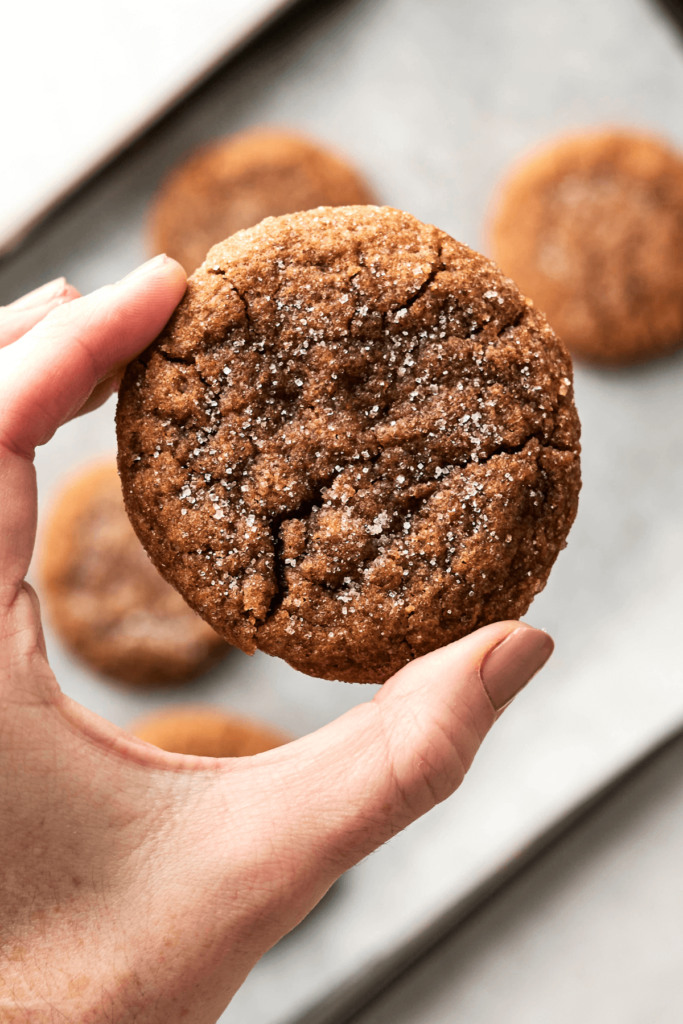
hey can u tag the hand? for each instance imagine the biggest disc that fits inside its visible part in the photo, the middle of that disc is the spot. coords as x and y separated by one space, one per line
138 885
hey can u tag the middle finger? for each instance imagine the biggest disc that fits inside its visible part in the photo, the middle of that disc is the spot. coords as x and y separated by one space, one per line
14 322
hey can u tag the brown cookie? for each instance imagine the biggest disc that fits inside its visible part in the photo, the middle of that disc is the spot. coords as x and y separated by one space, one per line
591 228
354 441
105 598
236 182
207 732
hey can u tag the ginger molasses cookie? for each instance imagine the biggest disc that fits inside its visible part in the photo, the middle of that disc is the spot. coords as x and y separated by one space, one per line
236 182
354 441
591 228
207 732
105 598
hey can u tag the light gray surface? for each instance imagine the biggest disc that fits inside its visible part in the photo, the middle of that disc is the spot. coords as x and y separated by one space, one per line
591 932
434 99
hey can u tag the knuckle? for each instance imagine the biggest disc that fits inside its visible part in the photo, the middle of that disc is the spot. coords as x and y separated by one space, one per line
430 755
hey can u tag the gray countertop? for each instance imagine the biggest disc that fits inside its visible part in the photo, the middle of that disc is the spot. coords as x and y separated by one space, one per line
433 99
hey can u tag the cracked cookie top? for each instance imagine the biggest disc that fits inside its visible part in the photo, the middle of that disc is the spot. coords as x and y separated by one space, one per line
353 442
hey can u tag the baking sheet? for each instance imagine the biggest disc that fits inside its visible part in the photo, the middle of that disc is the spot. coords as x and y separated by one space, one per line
434 100
86 77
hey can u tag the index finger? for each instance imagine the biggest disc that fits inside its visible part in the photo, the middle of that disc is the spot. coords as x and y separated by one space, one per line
47 375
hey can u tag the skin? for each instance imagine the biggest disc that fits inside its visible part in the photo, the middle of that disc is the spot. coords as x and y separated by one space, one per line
139 885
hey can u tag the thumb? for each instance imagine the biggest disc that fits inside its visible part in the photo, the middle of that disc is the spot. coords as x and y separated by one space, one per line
355 783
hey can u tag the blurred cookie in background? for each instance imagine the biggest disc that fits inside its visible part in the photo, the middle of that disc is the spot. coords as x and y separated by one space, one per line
207 732
236 182
104 597
591 229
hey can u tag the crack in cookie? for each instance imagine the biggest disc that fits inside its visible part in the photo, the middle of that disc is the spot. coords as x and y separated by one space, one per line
354 441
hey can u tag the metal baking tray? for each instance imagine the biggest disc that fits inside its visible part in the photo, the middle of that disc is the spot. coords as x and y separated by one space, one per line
433 100
138 60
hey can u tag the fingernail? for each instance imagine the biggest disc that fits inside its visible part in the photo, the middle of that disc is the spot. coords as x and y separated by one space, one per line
513 662
146 268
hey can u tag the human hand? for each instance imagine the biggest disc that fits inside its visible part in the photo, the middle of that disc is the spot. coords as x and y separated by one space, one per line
138 885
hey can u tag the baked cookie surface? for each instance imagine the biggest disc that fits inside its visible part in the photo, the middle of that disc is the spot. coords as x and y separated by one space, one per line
591 228
236 182
354 441
105 598
207 732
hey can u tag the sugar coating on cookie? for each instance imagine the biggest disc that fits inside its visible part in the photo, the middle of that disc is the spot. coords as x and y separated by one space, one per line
207 732
105 598
355 441
236 182
591 228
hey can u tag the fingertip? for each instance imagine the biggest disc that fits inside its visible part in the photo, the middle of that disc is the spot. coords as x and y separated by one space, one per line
513 662
19 318
161 268
151 292
45 297
68 293
443 666
80 344
39 296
